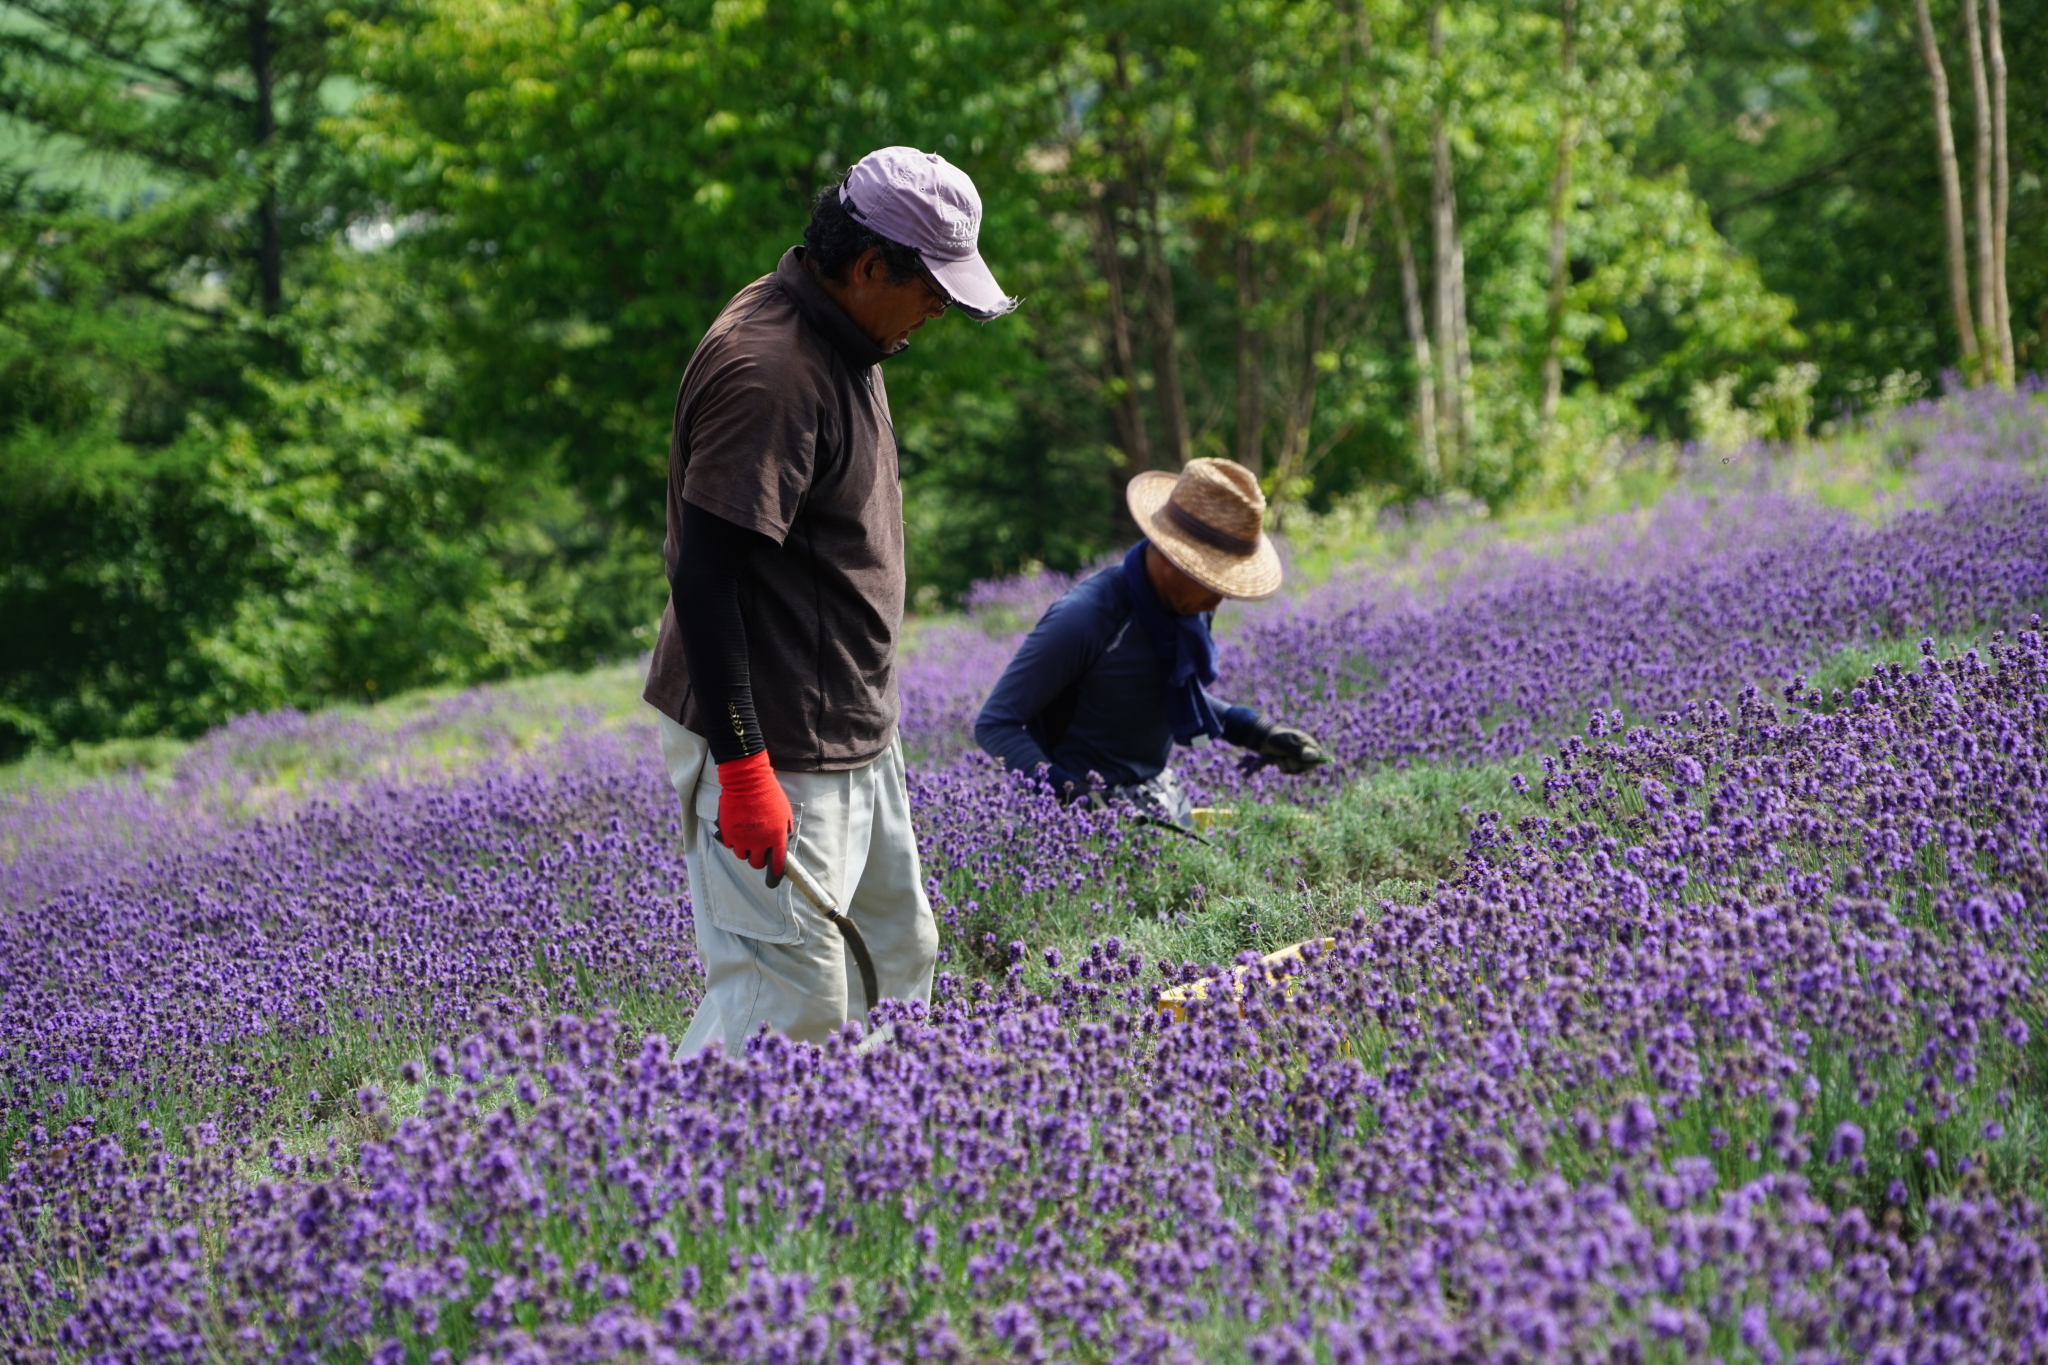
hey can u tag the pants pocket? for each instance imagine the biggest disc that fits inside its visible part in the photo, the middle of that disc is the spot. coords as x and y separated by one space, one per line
737 896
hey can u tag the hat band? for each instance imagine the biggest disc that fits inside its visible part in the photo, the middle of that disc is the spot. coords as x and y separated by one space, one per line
1189 524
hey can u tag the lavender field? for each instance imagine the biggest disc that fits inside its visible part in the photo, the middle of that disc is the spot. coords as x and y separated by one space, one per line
1687 872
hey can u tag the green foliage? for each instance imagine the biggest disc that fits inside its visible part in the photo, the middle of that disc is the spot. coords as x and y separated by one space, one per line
1179 193
1809 133
382 557
593 184
225 458
316 540
195 116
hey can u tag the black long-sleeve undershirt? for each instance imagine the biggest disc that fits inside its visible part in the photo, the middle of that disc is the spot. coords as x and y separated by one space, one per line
705 586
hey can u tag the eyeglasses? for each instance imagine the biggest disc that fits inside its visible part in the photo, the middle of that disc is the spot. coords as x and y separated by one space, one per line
931 282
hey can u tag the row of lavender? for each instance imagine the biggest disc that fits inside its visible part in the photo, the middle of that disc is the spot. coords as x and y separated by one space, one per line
263 765
1737 1050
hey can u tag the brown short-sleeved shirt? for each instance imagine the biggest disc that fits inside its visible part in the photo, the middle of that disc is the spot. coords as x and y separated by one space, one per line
782 427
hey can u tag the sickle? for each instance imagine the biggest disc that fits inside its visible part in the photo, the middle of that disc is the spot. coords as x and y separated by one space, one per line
829 908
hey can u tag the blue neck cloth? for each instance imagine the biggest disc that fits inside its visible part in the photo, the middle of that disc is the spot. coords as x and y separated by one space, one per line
1187 656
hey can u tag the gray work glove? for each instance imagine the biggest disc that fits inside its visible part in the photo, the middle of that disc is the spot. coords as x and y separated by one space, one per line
1290 750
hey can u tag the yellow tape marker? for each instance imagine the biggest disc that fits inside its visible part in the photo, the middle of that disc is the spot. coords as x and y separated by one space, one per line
1174 1000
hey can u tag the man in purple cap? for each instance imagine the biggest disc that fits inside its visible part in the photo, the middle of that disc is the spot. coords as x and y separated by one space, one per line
774 672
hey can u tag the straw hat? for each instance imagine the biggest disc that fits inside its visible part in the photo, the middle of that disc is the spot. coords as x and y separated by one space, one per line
1210 522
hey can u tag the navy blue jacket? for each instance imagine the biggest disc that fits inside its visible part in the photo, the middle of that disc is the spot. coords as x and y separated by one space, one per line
1118 726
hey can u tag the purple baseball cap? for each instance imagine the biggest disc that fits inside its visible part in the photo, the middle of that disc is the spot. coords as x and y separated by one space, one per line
929 205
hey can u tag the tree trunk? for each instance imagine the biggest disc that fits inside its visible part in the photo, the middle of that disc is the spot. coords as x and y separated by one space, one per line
1411 307
1166 386
1251 378
1418 330
1443 232
1951 192
1453 344
1301 411
1560 199
1980 185
1130 414
269 241
1155 283
2001 198
1461 343
1411 280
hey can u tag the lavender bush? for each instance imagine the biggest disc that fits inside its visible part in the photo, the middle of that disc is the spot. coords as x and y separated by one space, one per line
65 834
1721 1033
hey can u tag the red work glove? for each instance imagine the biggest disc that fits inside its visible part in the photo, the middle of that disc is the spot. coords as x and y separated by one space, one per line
754 818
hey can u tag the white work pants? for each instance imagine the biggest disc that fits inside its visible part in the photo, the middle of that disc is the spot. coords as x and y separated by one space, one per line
770 957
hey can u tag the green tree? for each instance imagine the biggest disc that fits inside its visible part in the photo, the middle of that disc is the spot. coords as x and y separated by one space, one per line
210 106
1197 202
1809 133
222 481
1259 200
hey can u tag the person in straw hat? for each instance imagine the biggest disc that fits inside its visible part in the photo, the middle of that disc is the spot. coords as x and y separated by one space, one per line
1116 672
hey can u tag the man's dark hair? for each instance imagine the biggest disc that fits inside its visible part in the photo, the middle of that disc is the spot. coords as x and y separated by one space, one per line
835 239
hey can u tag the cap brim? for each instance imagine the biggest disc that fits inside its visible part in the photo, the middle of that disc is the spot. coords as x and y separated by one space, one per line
1251 577
972 288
